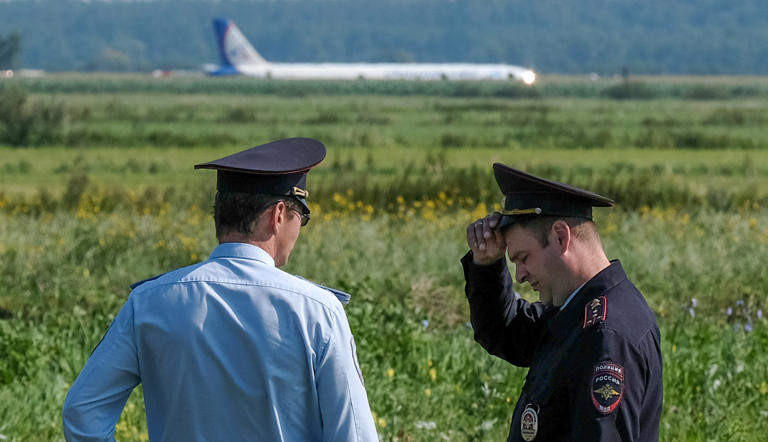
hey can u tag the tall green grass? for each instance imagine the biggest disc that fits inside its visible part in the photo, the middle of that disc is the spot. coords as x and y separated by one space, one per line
642 88
377 122
425 377
107 196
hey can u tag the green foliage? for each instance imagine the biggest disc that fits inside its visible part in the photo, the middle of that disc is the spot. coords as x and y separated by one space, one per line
110 60
17 350
25 123
403 178
585 36
214 114
65 287
10 50
685 88
630 90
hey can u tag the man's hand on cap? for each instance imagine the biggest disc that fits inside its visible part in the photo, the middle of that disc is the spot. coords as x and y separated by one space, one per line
486 243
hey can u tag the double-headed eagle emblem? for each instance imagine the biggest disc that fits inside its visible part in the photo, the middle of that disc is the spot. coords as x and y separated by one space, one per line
607 392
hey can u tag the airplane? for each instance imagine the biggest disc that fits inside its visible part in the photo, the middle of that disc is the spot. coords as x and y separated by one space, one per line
238 57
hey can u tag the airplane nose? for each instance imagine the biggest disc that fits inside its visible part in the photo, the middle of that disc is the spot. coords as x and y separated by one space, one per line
529 77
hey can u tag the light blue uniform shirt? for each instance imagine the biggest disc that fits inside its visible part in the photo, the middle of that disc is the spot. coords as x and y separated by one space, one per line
228 349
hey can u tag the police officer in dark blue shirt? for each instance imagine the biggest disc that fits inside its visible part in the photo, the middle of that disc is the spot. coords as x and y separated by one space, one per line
591 342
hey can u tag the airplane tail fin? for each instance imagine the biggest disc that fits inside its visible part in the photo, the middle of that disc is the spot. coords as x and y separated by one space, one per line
234 48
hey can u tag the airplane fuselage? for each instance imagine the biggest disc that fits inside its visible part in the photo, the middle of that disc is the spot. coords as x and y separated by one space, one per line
383 71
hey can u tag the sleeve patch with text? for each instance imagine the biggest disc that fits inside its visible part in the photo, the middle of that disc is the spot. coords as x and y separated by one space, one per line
607 386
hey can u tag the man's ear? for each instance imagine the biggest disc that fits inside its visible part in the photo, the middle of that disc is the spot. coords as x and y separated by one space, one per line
280 211
276 216
561 235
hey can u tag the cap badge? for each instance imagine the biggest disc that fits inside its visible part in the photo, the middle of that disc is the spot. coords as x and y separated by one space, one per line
607 386
532 211
529 422
301 193
505 211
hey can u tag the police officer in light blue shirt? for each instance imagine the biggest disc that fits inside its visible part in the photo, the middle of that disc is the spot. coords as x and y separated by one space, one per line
233 348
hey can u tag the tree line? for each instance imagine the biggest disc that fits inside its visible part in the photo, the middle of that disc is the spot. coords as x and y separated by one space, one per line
602 36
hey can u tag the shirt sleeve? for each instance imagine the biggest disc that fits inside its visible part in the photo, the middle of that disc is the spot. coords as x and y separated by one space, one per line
97 397
505 325
609 387
343 402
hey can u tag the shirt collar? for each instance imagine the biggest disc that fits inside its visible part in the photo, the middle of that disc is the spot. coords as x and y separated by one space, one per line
242 250
565 321
571 297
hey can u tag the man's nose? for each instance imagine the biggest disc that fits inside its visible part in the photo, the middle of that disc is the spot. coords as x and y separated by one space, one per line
520 274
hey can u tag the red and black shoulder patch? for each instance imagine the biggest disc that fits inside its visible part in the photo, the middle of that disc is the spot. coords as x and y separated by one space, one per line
595 311
607 386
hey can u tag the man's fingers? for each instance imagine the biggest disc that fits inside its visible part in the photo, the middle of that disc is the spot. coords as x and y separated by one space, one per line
493 219
488 228
472 237
471 240
489 224
479 234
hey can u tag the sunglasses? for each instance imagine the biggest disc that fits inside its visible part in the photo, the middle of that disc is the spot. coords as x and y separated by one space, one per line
304 217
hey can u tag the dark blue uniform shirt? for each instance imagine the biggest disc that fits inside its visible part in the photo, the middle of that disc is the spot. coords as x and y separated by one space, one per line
595 367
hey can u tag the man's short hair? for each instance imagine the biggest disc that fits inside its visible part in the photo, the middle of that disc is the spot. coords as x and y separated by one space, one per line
237 212
540 226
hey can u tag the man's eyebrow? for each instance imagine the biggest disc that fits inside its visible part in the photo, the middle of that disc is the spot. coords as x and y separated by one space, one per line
516 256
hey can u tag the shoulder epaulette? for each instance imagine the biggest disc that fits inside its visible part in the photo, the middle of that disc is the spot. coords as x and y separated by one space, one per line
136 284
343 297
595 311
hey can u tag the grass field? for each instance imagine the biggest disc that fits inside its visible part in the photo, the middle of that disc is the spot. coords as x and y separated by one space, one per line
111 198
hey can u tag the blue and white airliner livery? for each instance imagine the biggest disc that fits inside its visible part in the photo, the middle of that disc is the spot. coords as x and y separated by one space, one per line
238 57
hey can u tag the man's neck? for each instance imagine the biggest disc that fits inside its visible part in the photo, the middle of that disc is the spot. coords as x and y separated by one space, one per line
268 245
581 271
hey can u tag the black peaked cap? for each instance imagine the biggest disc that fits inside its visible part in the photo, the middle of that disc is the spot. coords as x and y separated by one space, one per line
527 195
276 168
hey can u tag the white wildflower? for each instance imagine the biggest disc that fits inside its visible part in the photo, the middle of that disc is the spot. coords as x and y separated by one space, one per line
716 384
426 425
488 425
